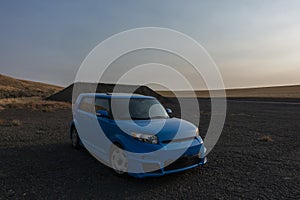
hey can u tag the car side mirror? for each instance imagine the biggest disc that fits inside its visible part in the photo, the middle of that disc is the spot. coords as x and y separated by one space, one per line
102 113
170 112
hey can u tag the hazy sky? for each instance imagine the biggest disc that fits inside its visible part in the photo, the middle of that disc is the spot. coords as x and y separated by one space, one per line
254 42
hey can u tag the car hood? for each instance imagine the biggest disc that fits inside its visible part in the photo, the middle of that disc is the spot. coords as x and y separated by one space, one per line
164 129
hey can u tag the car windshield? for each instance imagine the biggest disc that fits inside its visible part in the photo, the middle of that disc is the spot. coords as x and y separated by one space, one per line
137 109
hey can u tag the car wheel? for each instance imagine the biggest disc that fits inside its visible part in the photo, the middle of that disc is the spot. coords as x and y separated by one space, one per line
75 139
118 160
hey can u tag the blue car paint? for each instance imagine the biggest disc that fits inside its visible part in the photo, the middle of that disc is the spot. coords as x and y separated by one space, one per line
133 145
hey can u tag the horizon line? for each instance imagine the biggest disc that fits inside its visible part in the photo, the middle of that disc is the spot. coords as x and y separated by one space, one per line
180 90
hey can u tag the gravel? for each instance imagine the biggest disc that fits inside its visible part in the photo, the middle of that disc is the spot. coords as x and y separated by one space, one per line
38 162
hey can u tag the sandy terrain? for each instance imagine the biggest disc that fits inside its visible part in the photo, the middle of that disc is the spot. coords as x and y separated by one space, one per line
264 92
257 156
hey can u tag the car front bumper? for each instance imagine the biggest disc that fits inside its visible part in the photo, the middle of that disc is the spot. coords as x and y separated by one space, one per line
166 163
163 171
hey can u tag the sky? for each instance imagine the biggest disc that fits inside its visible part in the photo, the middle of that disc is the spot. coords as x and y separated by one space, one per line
254 42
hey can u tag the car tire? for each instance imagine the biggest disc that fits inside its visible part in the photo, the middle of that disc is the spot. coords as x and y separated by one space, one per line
75 140
118 160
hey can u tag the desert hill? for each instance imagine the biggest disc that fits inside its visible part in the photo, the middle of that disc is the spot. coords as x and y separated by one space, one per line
262 92
66 94
14 88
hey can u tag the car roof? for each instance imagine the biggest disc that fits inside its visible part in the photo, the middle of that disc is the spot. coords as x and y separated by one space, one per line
115 95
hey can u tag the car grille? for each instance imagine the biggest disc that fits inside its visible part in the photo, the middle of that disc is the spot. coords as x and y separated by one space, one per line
182 162
149 167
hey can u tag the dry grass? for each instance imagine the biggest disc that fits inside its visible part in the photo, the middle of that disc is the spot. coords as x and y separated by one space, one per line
13 88
241 115
16 122
2 122
266 138
33 103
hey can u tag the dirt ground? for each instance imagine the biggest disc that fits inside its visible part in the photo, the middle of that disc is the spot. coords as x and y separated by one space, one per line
256 157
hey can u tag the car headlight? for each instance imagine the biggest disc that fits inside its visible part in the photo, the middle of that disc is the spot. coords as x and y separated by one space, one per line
152 139
197 132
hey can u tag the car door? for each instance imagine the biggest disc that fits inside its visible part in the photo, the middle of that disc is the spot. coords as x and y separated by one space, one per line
106 123
87 125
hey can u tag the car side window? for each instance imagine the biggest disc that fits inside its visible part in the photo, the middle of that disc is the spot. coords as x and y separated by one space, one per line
86 104
102 104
